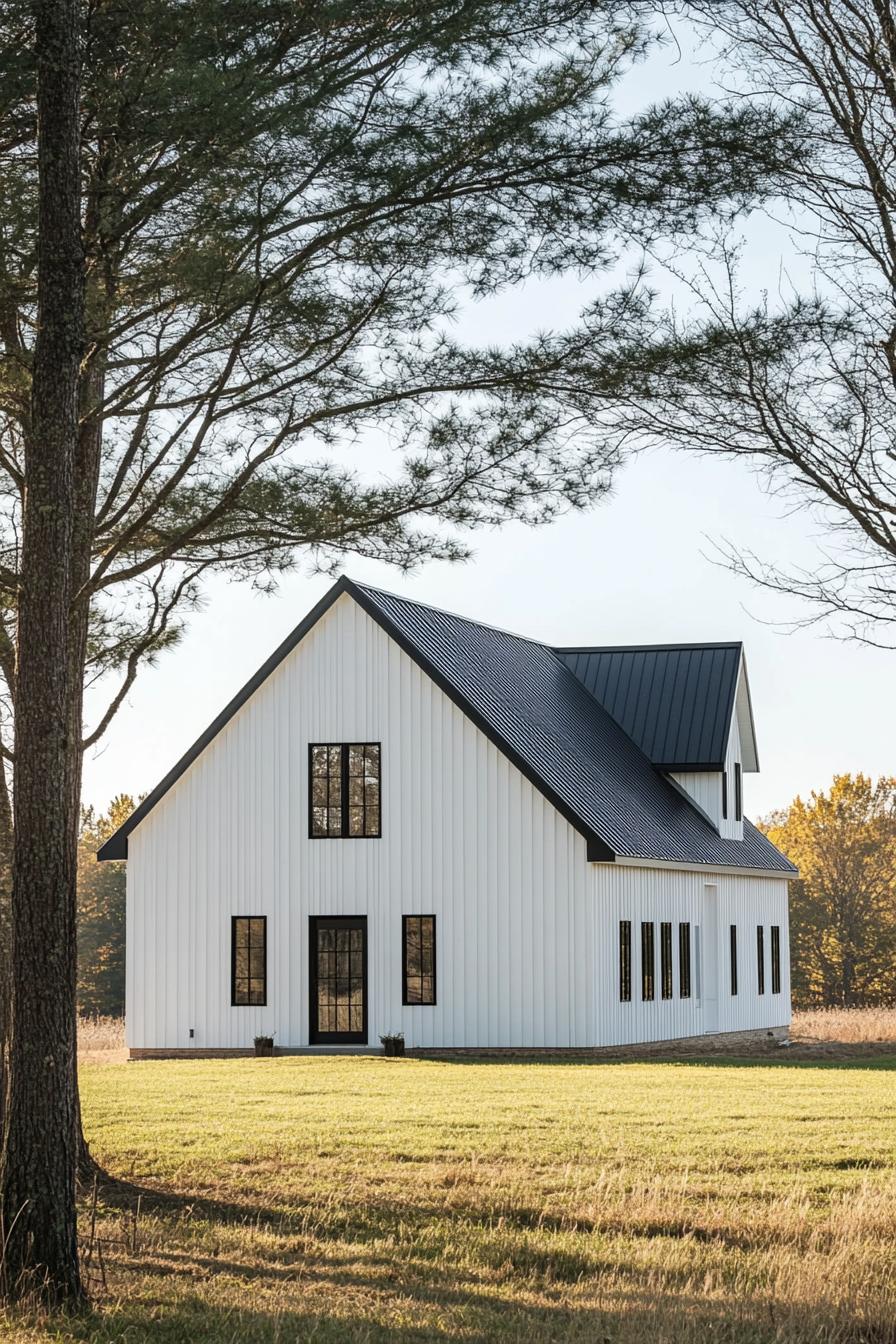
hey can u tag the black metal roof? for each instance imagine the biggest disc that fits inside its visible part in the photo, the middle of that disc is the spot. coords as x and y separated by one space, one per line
527 700
675 701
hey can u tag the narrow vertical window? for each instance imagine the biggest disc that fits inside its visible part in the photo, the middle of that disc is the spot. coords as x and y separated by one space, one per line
776 959
760 958
666 960
738 793
625 960
647 961
725 794
684 961
419 958
249 960
733 950
344 790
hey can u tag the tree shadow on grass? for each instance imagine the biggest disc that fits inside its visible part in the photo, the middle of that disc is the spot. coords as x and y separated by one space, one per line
346 1307
775 1057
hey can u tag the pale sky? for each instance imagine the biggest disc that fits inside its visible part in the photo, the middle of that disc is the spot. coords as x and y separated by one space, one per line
633 570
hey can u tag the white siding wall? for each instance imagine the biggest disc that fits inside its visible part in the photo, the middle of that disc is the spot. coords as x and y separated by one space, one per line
465 837
705 787
655 894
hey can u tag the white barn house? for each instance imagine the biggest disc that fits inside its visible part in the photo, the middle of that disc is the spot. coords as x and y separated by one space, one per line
410 822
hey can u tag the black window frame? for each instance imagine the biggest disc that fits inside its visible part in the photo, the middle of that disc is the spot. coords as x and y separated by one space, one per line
666 986
345 833
760 959
732 953
648 962
625 961
724 795
776 958
738 792
406 1001
684 959
247 1003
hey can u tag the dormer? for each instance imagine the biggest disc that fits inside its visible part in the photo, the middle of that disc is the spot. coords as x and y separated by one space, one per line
687 706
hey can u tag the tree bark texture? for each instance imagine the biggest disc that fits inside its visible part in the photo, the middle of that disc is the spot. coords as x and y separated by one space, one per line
40 1139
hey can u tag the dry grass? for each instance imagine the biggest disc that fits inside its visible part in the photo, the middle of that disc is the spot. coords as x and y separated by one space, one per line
101 1039
396 1202
849 1025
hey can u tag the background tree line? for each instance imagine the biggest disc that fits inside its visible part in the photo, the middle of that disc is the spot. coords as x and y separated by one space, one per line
843 907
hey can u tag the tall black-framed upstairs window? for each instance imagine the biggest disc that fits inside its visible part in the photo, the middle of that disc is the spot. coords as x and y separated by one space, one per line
418 959
776 959
732 943
344 790
648 962
625 961
725 795
666 960
684 961
738 792
249 961
760 959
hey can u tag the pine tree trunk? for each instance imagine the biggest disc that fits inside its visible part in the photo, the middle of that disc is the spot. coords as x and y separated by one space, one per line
37 1181
5 929
87 481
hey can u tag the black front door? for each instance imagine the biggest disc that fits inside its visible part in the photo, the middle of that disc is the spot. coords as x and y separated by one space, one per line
338 980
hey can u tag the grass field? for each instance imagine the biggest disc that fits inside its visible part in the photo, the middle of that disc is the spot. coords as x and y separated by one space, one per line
349 1199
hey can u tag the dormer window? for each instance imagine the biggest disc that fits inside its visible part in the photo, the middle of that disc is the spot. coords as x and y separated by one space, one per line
344 787
738 793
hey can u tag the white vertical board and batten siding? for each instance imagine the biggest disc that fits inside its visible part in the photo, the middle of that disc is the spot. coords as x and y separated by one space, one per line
465 837
657 895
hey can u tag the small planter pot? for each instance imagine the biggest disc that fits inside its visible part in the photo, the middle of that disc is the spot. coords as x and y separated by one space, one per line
393 1045
264 1047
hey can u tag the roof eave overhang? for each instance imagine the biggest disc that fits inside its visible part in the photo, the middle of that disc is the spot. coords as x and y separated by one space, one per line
707 869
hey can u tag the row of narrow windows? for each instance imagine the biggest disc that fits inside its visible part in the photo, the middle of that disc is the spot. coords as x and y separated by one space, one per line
775 942
648 960
334 951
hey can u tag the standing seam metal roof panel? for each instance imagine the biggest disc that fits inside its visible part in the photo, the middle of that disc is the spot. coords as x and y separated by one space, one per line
675 701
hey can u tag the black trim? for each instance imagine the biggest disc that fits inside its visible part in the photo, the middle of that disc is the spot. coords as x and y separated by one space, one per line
345 833
116 847
760 959
724 795
776 958
417 1003
234 1002
648 962
732 940
315 1036
666 960
684 960
738 792
625 961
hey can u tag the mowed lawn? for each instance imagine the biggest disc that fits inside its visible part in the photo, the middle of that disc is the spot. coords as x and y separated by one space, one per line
341 1199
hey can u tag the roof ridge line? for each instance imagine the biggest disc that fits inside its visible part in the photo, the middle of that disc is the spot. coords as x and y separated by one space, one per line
647 648
445 611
